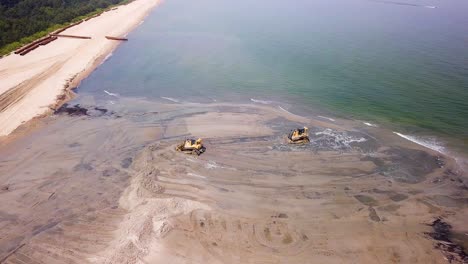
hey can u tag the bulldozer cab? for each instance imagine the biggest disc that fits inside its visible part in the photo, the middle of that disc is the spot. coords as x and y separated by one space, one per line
299 135
191 146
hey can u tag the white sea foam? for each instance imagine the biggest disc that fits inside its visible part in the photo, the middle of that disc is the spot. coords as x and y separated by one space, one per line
212 165
111 94
107 57
191 160
432 7
328 118
370 124
284 110
340 139
170 99
260 101
141 22
430 143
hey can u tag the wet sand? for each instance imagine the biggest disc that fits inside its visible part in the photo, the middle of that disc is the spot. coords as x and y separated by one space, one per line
108 187
32 84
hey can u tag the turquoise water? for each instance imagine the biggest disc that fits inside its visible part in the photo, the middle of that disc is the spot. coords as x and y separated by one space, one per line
400 64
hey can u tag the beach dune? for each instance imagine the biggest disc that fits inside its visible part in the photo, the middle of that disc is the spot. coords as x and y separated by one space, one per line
30 85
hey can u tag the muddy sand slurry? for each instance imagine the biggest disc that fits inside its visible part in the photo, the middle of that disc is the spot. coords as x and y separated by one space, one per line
104 185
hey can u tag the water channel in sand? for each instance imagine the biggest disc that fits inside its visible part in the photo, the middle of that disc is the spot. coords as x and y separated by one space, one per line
104 185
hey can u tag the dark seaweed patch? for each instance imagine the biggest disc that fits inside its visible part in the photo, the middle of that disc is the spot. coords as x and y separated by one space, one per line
102 110
75 110
78 110
442 232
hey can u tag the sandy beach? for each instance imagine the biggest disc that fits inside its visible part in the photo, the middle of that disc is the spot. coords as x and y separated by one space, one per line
114 190
30 85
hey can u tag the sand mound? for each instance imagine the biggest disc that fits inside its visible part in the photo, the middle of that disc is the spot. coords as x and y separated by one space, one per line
149 217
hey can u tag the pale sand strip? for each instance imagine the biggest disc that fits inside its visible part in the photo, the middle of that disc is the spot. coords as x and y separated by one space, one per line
31 84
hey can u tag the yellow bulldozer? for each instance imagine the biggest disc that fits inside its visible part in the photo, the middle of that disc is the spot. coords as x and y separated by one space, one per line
299 136
191 146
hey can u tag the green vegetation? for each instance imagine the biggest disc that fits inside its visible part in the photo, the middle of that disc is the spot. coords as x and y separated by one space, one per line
22 21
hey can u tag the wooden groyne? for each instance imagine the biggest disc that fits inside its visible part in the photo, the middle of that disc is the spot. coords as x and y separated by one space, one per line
116 38
46 40
55 34
28 46
70 36
34 45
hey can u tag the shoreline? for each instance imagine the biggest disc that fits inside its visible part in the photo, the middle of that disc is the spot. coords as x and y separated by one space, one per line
33 86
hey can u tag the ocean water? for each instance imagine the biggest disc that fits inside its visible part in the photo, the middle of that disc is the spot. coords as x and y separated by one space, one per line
399 64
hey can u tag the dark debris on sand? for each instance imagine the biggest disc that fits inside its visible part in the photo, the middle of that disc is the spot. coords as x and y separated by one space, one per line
78 110
453 252
75 110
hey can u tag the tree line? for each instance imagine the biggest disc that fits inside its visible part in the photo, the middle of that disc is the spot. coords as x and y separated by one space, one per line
23 20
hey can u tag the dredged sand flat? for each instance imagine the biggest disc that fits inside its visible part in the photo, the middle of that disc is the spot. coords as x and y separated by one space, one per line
108 187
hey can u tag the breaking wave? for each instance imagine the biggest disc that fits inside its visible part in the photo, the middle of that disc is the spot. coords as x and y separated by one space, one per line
370 124
281 108
340 136
328 118
430 143
260 101
106 58
111 94
171 99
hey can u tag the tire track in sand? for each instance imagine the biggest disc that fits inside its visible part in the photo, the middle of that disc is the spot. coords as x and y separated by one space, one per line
15 94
